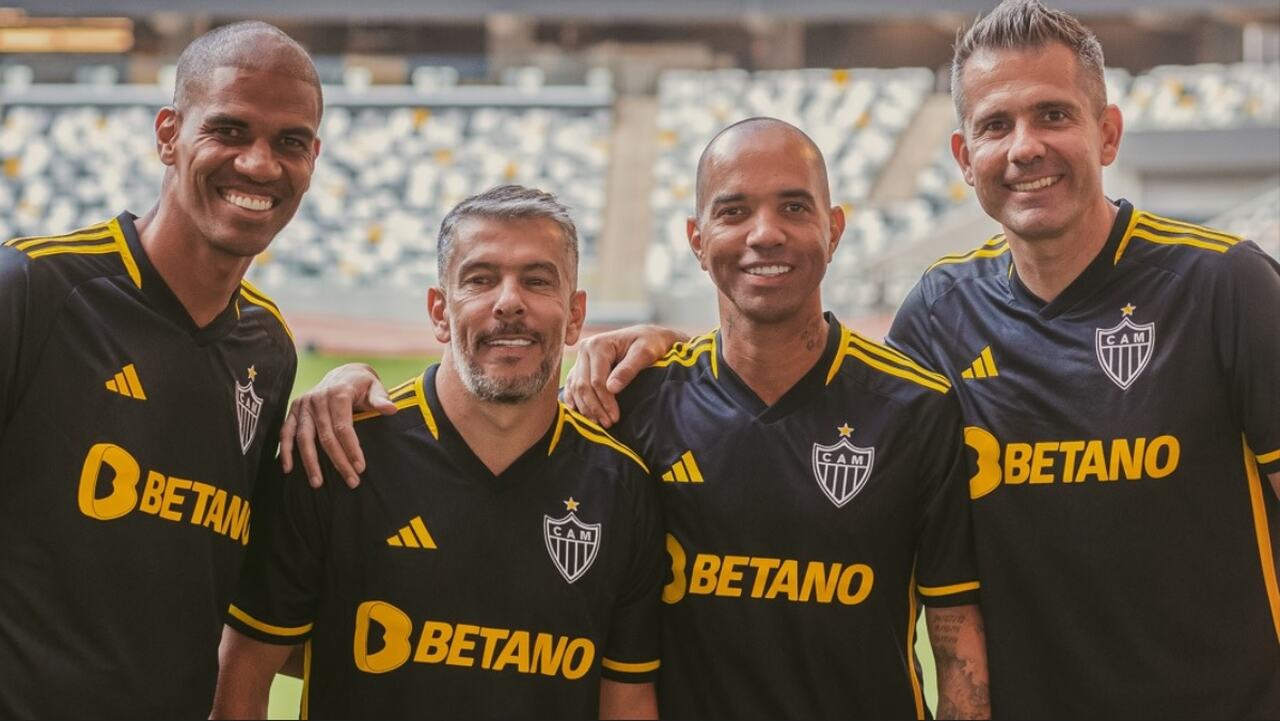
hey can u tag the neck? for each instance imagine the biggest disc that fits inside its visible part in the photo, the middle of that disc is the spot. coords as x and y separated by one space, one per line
772 358
1046 266
498 433
203 279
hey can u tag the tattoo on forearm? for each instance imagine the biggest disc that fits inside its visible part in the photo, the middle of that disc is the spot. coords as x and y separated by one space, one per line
963 691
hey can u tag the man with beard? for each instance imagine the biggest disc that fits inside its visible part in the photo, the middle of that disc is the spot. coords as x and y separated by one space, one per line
142 382
502 557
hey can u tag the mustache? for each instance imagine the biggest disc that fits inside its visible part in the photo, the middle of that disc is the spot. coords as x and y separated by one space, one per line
279 189
507 329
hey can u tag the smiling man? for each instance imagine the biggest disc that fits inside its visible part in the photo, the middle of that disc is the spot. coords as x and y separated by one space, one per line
1117 371
142 383
502 558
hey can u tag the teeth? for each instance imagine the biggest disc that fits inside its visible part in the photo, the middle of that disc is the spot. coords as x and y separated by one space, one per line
248 202
512 342
1036 184
769 271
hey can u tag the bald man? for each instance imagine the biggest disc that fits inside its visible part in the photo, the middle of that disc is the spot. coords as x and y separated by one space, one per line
142 382
813 482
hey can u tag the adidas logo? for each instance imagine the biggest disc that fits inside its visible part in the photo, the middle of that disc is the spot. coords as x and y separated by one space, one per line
414 535
983 367
127 384
684 471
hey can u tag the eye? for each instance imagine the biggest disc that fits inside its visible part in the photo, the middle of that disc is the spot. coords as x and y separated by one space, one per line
229 132
1055 116
795 207
731 211
994 126
294 143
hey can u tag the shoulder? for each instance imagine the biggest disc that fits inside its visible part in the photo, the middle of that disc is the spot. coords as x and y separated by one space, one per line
991 259
690 360
413 412
885 370
575 433
253 303
52 265
1183 248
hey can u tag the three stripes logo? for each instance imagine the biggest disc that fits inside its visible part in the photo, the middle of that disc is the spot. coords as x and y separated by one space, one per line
414 535
127 384
983 367
685 470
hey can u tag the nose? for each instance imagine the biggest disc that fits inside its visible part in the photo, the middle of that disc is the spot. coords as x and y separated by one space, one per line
257 161
766 230
510 302
1025 145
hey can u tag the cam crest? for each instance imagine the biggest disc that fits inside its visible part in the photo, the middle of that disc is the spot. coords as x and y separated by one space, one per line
1125 349
571 543
248 410
842 469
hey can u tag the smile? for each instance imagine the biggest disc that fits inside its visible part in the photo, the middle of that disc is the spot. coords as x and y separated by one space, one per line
247 201
1035 184
510 342
769 271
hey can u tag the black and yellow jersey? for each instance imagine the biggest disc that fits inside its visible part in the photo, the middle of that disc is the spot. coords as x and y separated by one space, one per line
802 535
1126 532
130 445
437 589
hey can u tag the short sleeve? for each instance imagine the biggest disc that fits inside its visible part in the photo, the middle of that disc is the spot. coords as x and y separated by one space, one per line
910 331
1247 334
631 653
280 585
946 563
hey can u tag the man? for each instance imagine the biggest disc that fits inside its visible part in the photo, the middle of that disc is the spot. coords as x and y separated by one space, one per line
812 481
141 386
1117 371
503 557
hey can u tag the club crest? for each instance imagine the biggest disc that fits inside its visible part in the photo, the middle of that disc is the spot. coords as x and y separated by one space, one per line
248 410
571 543
1125 349
842 468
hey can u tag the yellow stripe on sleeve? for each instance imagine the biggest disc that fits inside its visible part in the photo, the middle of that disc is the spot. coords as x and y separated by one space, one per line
1269 457
644 667
1260 527
936 591
250 294
266 627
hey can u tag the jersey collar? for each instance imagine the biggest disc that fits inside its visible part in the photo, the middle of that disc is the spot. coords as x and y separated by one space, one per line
469 464
161 298
809 384
1095 275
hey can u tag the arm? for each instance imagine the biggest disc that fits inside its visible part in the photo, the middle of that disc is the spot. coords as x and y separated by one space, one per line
1275 482
960 651
607 362
627 700
324 414
246 668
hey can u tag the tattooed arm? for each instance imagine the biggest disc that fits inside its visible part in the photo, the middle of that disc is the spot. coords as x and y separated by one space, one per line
960 651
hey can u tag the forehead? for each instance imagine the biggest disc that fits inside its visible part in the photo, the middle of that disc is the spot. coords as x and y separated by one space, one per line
763 162
515 242
259 93
996 78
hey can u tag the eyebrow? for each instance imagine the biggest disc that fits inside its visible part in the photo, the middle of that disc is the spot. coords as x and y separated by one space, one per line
527 267
789 193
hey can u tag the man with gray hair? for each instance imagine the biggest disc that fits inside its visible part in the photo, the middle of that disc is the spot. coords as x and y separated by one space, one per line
503 553
1117 373
142 383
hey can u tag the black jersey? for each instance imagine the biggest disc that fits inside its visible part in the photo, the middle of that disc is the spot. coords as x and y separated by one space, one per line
130 444
437 589
802 535
1125 531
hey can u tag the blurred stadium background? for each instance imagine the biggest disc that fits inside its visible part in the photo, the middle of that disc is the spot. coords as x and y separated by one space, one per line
608 103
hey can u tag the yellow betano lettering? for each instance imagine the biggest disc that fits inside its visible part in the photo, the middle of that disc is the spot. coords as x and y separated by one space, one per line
1040 462
152 493
866 580
124 484
433 643
703 579
1151 459
1068 461
395 628
1094 463
1017 467
729 575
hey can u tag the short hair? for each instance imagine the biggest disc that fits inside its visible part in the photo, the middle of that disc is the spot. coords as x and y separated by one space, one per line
506 202
1027 24
755 123
235 45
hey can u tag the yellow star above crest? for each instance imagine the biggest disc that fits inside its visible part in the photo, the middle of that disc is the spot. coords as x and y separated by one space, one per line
1128 309
571 505
253 373
845 431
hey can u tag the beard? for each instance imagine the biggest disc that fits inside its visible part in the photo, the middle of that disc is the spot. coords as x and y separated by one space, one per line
508 390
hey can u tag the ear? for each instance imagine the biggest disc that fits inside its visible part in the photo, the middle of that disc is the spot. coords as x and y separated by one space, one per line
577 316
695 239
836 229
960 151
167 128
315 148
436 311
1111 126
